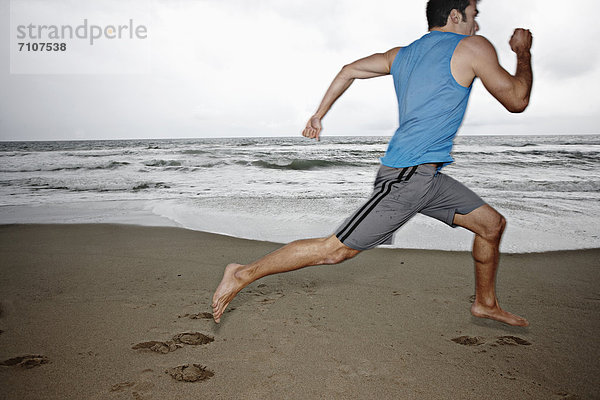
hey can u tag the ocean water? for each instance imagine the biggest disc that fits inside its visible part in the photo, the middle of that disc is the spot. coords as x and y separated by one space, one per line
281 189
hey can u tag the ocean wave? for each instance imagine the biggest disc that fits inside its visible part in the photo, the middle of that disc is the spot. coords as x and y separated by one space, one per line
209 165
193 152
301 165
48 187
83 184
555 153
572 159
519 144
20 170
589 142
98 155
512 157
13 154
111 165
150 185
545 186
162 163
99 189
106 166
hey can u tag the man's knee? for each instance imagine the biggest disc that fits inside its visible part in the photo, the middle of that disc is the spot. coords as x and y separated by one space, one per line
337 251
494 227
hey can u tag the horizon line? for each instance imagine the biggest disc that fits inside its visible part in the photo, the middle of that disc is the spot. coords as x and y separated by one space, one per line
278 137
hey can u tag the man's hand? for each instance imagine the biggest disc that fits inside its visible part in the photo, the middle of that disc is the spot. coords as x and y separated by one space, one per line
520 42
313 128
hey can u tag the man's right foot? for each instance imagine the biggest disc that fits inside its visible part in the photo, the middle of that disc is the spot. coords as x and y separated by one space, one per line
226 291
498 314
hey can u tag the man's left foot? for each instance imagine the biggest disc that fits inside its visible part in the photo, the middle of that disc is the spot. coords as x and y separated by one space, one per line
226 291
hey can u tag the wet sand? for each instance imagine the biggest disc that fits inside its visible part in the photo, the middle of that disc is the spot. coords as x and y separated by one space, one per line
122 312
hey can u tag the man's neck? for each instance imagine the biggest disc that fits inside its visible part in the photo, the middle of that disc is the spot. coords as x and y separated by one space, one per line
445 29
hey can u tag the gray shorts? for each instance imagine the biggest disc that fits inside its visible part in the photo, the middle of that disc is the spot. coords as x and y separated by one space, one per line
399 194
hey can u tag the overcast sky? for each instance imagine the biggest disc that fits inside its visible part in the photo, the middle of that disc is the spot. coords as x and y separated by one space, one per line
219 68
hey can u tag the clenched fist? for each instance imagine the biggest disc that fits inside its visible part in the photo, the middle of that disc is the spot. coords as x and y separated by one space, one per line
520 42
313 128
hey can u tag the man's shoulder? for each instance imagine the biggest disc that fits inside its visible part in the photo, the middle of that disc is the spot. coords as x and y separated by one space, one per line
470 52
476 44
474 50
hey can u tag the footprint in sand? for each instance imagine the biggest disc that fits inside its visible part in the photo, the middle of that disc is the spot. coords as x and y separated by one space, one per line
202 315
469 340
28 361
566 396
190 373
119 387
266 294
309 287
190 338
157 346
500 340
193 338
512 341
140 389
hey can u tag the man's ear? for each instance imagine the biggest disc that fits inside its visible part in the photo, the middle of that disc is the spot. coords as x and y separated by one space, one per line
455 16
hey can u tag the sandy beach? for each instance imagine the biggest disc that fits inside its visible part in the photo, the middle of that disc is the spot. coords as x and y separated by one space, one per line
104 311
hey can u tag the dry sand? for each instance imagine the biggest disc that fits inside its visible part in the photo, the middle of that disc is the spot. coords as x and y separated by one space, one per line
120 312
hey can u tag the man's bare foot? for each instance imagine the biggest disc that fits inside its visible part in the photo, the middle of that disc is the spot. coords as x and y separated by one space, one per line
226 291
498 314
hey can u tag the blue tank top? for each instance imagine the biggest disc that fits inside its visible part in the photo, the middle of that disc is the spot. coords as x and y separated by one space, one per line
431 104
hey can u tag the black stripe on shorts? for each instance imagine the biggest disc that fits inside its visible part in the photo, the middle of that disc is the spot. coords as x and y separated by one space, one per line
386 188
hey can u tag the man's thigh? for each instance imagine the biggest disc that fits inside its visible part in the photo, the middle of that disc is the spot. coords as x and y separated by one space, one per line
397 198
449 198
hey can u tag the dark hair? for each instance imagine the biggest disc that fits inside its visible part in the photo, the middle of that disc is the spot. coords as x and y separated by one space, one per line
439 10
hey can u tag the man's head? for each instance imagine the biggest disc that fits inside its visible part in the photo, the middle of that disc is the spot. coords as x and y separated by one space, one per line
457 14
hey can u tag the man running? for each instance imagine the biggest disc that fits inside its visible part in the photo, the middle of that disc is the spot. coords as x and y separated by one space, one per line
433 78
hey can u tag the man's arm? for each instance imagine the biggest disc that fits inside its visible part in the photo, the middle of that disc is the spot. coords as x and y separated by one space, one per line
369 67
512 91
